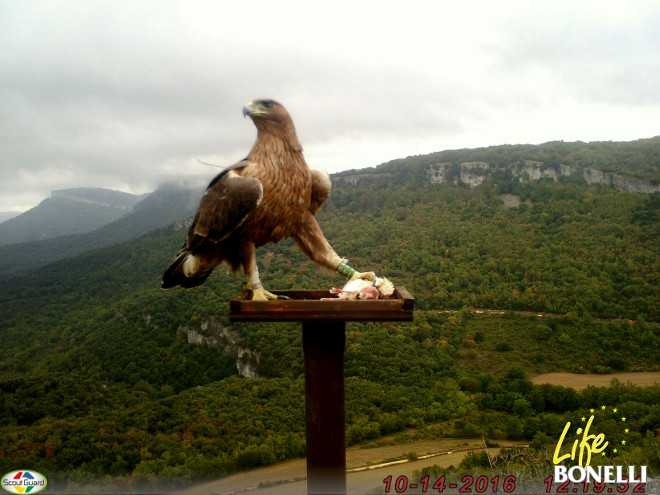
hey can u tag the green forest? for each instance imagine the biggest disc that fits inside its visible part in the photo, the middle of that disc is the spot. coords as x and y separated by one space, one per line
101 385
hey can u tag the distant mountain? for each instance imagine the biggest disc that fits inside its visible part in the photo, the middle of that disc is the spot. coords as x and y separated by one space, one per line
632 166
165 206
68 211
6 215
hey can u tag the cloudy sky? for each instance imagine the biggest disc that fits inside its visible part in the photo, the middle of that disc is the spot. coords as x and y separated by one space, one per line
125 94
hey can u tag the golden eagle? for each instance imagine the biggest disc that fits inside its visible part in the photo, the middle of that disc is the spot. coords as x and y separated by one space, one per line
269 196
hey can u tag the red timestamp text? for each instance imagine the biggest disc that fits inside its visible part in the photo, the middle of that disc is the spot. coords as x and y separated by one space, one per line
469 484
634 486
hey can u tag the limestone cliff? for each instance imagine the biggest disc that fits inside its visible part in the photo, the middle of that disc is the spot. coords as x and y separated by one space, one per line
212 333
475 173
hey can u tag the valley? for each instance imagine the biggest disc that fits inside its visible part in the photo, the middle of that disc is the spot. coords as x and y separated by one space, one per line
565 279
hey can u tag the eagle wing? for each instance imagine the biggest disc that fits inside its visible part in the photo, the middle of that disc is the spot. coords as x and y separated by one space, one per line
228 200
321 186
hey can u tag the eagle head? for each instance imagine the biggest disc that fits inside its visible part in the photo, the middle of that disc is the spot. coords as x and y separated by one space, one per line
272 119
265 109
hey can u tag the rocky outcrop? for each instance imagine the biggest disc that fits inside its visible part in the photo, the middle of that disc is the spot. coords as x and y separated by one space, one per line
513 201
471 173
533 170
212 333
593 176
359 178
439 173
475 173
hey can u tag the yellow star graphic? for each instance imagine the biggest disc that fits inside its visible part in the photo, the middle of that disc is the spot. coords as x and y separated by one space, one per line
603 453
591 410
623 419
583 418
615 409
623 442
627 430
603 408
615 451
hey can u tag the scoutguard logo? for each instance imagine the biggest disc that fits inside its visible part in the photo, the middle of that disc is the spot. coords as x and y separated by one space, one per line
24 482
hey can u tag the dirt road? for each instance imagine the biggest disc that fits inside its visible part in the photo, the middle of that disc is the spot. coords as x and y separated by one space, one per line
367 468
371 481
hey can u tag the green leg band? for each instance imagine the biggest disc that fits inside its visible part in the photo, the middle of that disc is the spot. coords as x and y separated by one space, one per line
345 270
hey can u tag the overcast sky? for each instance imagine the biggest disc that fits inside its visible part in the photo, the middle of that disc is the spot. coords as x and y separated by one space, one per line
124 94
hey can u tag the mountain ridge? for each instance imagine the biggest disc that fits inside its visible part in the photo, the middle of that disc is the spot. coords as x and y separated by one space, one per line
627 165
165 206
67 211
507 165
100 196
6 215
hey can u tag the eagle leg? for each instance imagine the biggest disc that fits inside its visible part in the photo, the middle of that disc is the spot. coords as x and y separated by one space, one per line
312 242
254 282
352 274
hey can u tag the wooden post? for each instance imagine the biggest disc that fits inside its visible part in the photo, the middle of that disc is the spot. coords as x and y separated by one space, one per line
324 338
323 344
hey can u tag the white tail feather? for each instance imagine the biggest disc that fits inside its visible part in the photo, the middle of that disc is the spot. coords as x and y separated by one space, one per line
190 265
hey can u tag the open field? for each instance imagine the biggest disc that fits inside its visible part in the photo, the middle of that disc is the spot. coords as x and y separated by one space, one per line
580 382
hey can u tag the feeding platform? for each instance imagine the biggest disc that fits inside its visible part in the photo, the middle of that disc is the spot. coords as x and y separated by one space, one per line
321 305
323 317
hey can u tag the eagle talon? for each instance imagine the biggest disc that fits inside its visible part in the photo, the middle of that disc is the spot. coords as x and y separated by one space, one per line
261 294
363 276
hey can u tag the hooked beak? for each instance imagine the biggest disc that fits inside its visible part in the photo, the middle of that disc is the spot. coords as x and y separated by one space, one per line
250 109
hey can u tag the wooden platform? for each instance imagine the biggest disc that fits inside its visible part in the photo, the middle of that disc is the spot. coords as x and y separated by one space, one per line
323 317
307 305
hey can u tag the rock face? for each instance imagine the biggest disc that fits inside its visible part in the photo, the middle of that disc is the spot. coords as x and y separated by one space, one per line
439 174
213 334
475 173
513 201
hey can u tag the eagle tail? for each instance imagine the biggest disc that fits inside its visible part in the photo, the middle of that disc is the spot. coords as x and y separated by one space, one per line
187 270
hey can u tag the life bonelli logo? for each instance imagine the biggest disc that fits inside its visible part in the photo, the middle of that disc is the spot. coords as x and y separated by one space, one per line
24 482
588 446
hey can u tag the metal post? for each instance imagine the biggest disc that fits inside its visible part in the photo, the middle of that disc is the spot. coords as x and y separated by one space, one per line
323 345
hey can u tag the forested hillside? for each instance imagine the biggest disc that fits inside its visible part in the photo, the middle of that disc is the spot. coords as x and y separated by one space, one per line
96 354
638 160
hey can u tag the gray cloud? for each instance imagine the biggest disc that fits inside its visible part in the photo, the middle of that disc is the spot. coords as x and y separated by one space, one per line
614 60
124 94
